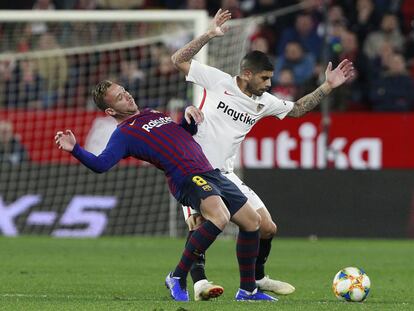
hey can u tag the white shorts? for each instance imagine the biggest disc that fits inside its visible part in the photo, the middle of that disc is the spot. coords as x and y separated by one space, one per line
252 197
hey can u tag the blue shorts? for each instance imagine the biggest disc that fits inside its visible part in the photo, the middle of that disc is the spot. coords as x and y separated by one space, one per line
200 186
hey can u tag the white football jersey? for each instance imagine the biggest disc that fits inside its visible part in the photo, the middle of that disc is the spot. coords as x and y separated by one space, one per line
229 114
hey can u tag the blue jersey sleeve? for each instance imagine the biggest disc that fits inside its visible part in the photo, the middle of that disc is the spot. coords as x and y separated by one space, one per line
115 150
190 128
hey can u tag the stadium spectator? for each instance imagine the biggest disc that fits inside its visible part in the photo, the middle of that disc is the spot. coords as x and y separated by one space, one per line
354 94
381 62
53 70
164 84
39 28
264 31
131 76
389 32
364 19
7 67
303 32
334 38
259 44
296 59
285 87
336 15
11 150
22 84
233 6
393 90
82 72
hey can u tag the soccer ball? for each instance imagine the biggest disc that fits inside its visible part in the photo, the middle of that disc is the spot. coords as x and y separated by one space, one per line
351 284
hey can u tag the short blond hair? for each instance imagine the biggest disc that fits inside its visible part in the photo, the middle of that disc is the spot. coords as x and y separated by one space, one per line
99 93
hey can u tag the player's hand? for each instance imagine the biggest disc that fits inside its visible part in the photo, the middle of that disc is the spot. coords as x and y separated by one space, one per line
65 141
195 113
195 221
217 28
344 72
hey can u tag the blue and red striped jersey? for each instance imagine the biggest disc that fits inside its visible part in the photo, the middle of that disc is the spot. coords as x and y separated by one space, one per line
153 137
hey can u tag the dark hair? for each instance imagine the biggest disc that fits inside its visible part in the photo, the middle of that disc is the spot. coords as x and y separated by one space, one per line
99 93
256 61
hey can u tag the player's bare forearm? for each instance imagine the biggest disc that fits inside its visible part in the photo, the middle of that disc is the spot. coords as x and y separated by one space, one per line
310 101
187 52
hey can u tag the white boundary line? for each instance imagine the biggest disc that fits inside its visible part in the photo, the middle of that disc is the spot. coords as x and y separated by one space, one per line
53 296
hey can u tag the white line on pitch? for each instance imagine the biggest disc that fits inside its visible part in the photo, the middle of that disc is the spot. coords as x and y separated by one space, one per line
22 295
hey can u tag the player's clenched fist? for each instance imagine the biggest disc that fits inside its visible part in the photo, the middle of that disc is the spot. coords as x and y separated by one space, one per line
65 141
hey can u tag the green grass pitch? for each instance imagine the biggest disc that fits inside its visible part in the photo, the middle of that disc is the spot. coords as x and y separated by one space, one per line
41 273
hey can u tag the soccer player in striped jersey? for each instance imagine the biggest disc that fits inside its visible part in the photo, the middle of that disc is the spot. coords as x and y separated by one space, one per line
153 137
229 109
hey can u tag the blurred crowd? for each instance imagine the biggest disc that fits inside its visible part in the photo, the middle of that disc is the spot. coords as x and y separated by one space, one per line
377 35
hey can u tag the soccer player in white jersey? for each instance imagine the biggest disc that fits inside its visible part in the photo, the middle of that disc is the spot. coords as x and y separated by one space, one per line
229 108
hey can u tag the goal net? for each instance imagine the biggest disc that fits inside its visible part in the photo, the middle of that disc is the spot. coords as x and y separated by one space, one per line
49 62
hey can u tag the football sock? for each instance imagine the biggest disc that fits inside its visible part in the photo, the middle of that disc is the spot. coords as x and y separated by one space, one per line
247 248
197 270
189 234
198 243
264 250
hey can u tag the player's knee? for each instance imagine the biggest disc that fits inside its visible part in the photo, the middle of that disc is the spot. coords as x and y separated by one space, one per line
220 219
254 222
267 229
223 217
215 211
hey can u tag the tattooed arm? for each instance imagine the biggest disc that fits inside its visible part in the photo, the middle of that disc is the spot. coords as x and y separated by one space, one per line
309 101
334 78
182 58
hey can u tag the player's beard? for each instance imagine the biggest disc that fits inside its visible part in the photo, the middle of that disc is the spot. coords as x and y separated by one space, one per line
256 92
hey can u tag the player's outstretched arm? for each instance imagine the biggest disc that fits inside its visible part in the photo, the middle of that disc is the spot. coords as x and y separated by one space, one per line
182 58
113 153
333 79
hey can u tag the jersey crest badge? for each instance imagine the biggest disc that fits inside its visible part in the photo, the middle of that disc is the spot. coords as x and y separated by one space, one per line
259 107
207 187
